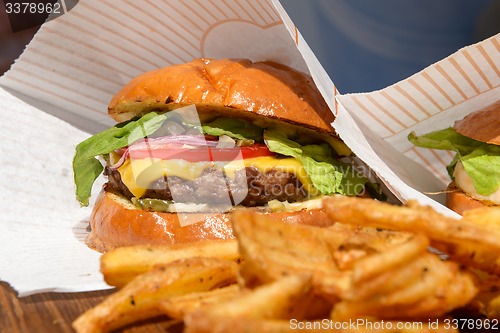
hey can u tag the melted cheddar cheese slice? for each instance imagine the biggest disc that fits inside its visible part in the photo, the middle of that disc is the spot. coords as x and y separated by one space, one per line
138 174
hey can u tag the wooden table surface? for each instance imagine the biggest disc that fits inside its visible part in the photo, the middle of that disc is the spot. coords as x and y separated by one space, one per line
54 312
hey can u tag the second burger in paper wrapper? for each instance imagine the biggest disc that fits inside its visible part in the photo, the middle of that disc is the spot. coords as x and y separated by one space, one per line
196 140
475 169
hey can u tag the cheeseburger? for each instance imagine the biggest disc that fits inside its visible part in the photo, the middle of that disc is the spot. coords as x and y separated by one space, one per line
196 140
475 169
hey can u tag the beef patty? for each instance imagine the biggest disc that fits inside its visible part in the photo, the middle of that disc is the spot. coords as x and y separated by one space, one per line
249 187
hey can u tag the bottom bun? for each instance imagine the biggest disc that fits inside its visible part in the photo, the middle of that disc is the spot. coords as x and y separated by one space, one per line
459 201
116 222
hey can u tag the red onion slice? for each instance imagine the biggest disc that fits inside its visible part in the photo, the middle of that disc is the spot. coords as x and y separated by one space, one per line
166 142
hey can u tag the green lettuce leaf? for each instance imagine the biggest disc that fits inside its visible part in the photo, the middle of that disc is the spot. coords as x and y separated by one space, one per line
446 139
483 167
481 161
327 174
234 128
86 167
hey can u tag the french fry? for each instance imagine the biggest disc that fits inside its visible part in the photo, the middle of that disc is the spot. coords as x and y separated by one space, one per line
273 250
438 288
121 265
249 325
286 298
471 255
387 326
411 218
370 266
376 239
483 304
141 298
377 272
493 308
485 258
357 242
178 307
485 216
387 281
461 239
252 325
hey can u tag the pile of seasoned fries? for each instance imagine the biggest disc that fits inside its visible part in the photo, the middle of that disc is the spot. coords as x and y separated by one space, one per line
379 268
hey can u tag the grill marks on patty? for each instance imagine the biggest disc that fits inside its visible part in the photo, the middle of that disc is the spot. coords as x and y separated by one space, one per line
249 187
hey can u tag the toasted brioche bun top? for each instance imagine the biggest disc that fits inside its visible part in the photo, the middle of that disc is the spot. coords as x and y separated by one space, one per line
483 125
228 86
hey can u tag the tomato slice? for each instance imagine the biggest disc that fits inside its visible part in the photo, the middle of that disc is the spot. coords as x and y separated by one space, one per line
257 150
202 154
245 152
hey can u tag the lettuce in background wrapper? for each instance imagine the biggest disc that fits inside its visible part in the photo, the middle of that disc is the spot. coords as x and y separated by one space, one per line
481 160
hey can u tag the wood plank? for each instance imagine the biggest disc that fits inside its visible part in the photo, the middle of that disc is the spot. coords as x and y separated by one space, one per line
54 312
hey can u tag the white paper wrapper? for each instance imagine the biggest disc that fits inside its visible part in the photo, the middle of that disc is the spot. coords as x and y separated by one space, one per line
76 63
430 100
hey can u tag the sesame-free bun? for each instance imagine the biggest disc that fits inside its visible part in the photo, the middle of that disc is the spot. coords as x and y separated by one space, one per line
459 201
116 222
483 125
234 87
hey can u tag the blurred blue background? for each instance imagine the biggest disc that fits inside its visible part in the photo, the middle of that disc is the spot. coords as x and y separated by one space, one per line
366 45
